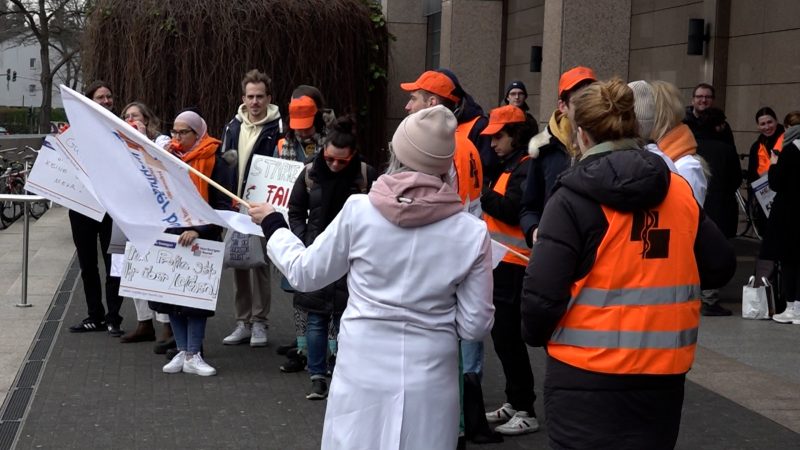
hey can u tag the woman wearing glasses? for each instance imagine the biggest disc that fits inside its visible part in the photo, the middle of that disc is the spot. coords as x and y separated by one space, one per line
317 197
139 116
192 144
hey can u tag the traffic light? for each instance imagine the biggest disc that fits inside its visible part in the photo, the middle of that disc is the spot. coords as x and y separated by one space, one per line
14 76
8 74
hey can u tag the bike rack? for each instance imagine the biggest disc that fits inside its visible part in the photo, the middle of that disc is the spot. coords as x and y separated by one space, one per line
25 238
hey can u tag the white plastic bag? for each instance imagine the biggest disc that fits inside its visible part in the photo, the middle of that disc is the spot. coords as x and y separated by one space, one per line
755 300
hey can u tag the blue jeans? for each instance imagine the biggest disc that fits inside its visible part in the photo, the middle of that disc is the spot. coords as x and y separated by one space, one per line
472 356
189 332
317 338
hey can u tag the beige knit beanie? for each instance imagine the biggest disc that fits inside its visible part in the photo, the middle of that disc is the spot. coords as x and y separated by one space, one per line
425 141
644 106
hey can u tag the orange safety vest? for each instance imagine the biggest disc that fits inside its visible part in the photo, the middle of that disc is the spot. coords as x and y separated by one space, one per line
764 155
509 235
279 147
467 162
638 309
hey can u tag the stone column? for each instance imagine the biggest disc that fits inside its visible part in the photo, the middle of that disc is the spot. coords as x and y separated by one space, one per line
594 33
471 44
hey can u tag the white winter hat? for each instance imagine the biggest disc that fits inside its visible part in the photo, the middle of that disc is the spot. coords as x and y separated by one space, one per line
425 141
644 106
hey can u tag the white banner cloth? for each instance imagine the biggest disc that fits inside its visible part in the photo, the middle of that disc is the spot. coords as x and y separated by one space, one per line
143 187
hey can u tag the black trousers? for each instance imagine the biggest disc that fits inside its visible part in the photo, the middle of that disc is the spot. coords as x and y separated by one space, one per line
507 337
85 233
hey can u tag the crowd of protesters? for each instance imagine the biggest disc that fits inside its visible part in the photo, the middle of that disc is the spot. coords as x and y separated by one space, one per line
614 222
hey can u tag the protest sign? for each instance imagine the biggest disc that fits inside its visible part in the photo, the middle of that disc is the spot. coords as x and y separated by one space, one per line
55 176
271 180
763 193
144 188
171 273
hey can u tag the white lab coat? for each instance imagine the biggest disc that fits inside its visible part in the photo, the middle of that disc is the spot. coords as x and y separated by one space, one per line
413 292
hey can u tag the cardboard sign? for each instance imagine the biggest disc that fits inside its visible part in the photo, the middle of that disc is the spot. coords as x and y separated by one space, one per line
271 180
171 273
55 177
764 194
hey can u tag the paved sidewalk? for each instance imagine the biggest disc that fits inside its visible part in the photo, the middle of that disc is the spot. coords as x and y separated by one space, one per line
94 392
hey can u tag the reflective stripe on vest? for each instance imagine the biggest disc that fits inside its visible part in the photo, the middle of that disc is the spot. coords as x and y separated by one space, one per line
638 309
764 156
508 235
467 162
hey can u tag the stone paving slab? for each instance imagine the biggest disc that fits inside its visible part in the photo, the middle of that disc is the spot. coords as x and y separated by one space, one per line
98 393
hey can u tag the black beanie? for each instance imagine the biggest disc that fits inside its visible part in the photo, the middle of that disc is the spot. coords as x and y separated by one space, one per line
515 85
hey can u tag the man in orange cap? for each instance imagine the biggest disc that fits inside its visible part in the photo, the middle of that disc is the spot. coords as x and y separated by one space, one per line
510 132
552 151
436 88
303 141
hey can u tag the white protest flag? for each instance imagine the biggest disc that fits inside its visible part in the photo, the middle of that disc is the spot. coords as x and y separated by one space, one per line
55 177
143 187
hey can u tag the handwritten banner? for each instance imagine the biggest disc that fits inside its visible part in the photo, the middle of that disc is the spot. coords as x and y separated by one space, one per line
271 180
56 177
171 273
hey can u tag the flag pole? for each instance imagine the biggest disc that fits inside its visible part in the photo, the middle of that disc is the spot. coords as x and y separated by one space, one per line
212 182
512 251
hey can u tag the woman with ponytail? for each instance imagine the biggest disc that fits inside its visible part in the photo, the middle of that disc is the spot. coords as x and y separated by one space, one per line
613 286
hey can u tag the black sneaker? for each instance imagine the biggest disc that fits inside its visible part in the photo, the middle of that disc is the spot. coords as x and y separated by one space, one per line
296 362
284 349
714 310
319 389
88 325
331 364
115 330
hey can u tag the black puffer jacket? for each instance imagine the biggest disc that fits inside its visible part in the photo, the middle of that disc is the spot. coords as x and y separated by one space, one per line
782 234
573 225
311 210
506 207
726 177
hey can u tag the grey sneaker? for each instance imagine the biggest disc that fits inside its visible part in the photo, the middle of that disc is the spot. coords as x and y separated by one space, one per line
258 338
521 423
502 414
239 335
319 389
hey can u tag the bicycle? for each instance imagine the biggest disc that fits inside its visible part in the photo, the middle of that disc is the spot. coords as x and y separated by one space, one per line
749 206
12 181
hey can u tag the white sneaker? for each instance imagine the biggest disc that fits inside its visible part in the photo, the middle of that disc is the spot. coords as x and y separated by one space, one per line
501 415
521 423
240 334
176 364
195 364
790 315
259 335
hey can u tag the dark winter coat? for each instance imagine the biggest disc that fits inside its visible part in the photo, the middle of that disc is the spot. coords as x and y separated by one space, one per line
726 135
782 231
573 225
311 210
506 207
264 145
726 177
550 161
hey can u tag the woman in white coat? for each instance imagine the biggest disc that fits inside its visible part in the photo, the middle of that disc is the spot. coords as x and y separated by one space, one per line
419 277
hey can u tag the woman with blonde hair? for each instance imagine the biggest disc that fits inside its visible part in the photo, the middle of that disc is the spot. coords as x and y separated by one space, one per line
675 138
613 287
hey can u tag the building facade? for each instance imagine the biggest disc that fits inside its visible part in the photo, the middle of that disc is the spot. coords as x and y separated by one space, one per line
749 55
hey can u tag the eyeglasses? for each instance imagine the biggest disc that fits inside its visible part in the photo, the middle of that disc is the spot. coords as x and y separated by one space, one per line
181 133
516 94
331 159
704 97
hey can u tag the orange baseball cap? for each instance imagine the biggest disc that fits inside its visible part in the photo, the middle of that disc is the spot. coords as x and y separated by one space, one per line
301 113
574 76
435 83
501 116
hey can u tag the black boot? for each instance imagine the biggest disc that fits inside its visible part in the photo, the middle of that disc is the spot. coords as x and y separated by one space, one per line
476 428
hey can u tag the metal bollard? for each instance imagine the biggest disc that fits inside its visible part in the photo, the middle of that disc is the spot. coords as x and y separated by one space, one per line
25 236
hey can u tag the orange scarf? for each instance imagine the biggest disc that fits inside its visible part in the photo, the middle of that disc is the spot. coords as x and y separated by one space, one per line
678 142
202 158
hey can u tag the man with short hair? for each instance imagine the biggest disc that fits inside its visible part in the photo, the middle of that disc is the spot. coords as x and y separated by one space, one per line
703 98
253 131
435 87
552 150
